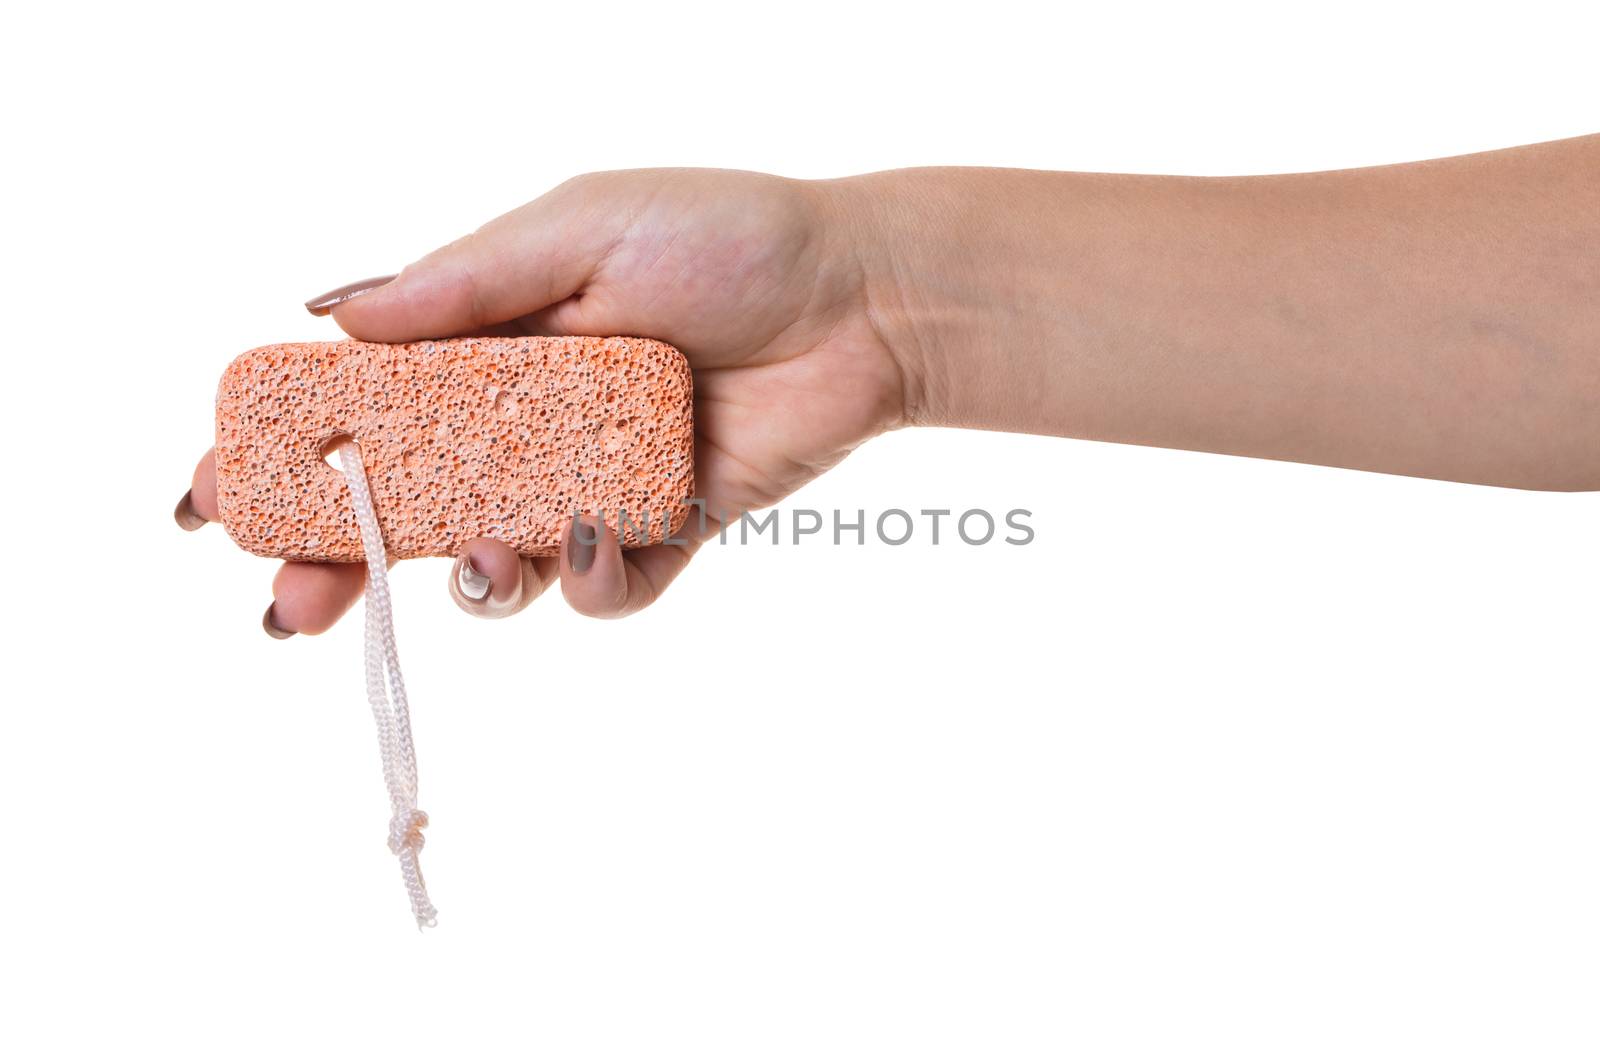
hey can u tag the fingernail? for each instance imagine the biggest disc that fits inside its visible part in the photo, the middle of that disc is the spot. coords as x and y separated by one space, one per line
271 627
186 516
580 549
322 304
473 585
476 592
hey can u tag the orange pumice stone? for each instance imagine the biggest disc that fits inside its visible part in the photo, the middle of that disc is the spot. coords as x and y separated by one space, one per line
503 437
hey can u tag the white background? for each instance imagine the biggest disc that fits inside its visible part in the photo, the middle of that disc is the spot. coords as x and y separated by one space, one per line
1235 750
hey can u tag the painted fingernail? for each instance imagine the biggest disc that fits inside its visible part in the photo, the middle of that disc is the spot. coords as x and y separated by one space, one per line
322 304
580 549
186 516
477 593
473 585
269 625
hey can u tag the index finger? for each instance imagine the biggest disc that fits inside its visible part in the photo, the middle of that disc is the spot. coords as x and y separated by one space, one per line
520 263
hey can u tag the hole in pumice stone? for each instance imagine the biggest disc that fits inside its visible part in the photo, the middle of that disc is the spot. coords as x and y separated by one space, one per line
331 447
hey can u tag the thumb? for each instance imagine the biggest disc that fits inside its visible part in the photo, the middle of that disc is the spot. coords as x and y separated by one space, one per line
529 259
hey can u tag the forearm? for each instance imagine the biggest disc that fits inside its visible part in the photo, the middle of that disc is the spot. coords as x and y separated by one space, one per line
1438 319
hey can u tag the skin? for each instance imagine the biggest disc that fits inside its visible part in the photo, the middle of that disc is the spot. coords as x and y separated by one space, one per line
1437 319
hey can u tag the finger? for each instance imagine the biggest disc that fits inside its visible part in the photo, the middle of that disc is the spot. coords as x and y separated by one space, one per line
309 597
599 580
199 504
519 263
490 581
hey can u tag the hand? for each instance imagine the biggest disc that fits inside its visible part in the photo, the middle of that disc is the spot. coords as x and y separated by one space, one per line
754 278
1430 319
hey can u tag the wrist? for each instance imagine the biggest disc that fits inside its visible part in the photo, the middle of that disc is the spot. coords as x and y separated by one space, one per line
871 220
960 282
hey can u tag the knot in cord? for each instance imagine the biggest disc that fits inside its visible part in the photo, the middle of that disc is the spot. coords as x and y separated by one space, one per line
405 830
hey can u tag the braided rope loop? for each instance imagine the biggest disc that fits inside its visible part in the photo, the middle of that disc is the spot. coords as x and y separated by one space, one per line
386 692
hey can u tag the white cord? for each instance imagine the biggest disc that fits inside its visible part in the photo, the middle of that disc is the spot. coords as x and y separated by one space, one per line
386 692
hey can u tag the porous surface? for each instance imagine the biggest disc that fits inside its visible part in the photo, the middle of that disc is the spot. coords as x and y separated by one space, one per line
480 436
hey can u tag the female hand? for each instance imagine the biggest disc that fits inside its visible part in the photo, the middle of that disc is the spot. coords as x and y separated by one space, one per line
1432 319
753 277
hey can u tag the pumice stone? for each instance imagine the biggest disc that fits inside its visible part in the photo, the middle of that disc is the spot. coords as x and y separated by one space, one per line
503 437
